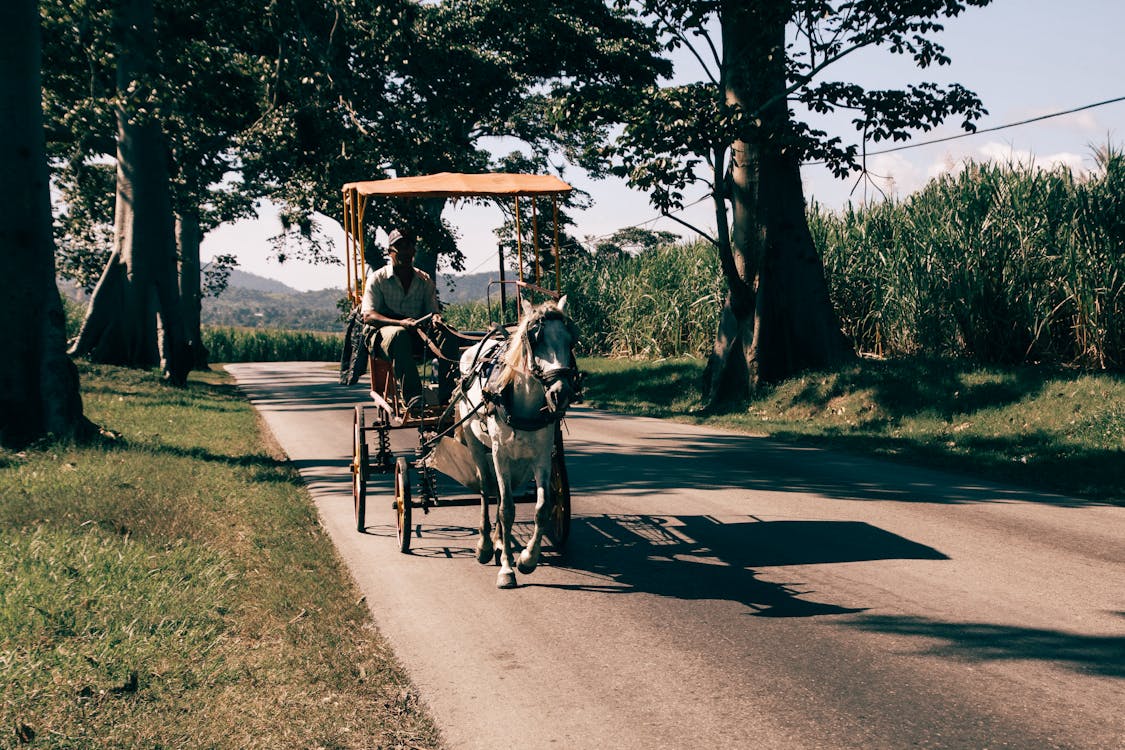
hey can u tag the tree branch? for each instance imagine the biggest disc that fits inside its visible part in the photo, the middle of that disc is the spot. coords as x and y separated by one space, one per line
692 227
683 39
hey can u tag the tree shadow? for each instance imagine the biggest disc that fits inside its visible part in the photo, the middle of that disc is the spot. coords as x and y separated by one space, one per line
699 557
982 642
667 458
906 388
1030 459
655 386
887 393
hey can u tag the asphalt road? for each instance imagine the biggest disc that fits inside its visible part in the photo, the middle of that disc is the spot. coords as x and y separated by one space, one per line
723 591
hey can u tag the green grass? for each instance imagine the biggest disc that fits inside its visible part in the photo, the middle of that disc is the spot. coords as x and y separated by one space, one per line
1044 428
233 344
171 587
1002 263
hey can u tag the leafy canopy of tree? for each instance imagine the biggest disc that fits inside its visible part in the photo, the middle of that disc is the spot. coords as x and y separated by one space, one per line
680 128
634 240
737 136
299 97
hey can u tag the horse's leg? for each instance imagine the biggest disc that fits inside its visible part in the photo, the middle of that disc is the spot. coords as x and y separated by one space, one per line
485 549
486 541
483 462
529 557
506 578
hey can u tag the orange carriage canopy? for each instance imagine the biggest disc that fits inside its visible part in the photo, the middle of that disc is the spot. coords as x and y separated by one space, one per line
458 185
446 185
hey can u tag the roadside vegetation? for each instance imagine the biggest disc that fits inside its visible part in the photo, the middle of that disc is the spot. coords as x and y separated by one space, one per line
233 344
1044 428
1000 263
171 587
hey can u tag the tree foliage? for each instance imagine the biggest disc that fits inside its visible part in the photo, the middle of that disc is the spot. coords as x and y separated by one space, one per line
679 128
741 133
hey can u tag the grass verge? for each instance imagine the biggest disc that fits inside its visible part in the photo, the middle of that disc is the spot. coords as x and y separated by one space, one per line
1043 428
173 588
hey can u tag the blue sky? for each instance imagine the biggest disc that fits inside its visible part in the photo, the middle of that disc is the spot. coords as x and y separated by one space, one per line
1024 58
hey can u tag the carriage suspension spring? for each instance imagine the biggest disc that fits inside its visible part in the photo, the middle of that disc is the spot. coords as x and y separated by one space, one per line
384 458
426 473
429 488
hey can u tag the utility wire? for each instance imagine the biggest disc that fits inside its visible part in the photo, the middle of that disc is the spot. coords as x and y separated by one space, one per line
904 147
987 130
915 145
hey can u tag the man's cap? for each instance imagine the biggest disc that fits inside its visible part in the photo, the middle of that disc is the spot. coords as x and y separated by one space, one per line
400 235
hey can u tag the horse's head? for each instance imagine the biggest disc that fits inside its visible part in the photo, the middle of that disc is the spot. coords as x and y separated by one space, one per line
547 336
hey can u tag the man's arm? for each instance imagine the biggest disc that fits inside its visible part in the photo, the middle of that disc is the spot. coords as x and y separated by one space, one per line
373 318
431 298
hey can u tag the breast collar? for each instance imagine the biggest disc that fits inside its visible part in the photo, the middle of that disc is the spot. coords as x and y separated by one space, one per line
500 399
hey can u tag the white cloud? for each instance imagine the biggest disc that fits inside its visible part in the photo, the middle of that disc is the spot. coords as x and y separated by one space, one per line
895 175
1085 121
1002 153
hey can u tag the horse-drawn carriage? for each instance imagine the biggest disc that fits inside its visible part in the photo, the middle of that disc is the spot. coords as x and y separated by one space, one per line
502 426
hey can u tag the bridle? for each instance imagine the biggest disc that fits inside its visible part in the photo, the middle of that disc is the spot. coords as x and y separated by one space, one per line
549 376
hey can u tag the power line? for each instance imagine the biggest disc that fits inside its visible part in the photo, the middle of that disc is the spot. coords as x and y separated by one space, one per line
903 147
988 130
640 224
913 145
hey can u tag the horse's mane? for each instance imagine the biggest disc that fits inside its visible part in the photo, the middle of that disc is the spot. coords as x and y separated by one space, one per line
515 358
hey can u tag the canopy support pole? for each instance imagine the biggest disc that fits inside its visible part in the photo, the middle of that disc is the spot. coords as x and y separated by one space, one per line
519 240
503 286
555 209
348 247
535 236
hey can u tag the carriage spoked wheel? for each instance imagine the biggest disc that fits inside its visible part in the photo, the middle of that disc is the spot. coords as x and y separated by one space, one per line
558 523
402 503
359 471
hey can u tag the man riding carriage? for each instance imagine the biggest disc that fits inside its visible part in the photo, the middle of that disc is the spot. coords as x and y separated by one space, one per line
497 411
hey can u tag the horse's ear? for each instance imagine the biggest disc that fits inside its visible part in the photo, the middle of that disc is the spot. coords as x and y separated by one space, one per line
527 308
562 303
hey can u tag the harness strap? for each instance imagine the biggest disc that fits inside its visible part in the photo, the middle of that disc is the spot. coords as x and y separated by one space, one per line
463 386
497 331
502 404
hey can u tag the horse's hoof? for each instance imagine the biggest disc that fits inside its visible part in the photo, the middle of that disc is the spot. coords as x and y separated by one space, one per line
506 580
485 553
525 564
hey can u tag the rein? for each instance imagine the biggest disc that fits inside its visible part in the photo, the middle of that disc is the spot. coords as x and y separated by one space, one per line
500 402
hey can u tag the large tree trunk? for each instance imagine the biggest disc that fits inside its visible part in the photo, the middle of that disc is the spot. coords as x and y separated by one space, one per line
39 393
188 238
777 319
134 317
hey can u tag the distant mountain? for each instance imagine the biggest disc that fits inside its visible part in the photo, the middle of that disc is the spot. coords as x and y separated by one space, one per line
471 287
467 288
255 301
246 280
290 309
258 302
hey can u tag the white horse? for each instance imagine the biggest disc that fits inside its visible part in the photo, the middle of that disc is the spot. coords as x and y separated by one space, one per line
512 405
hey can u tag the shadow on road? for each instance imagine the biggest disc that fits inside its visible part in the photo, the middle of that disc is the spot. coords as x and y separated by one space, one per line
672 460
691 557
698 557
981 642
